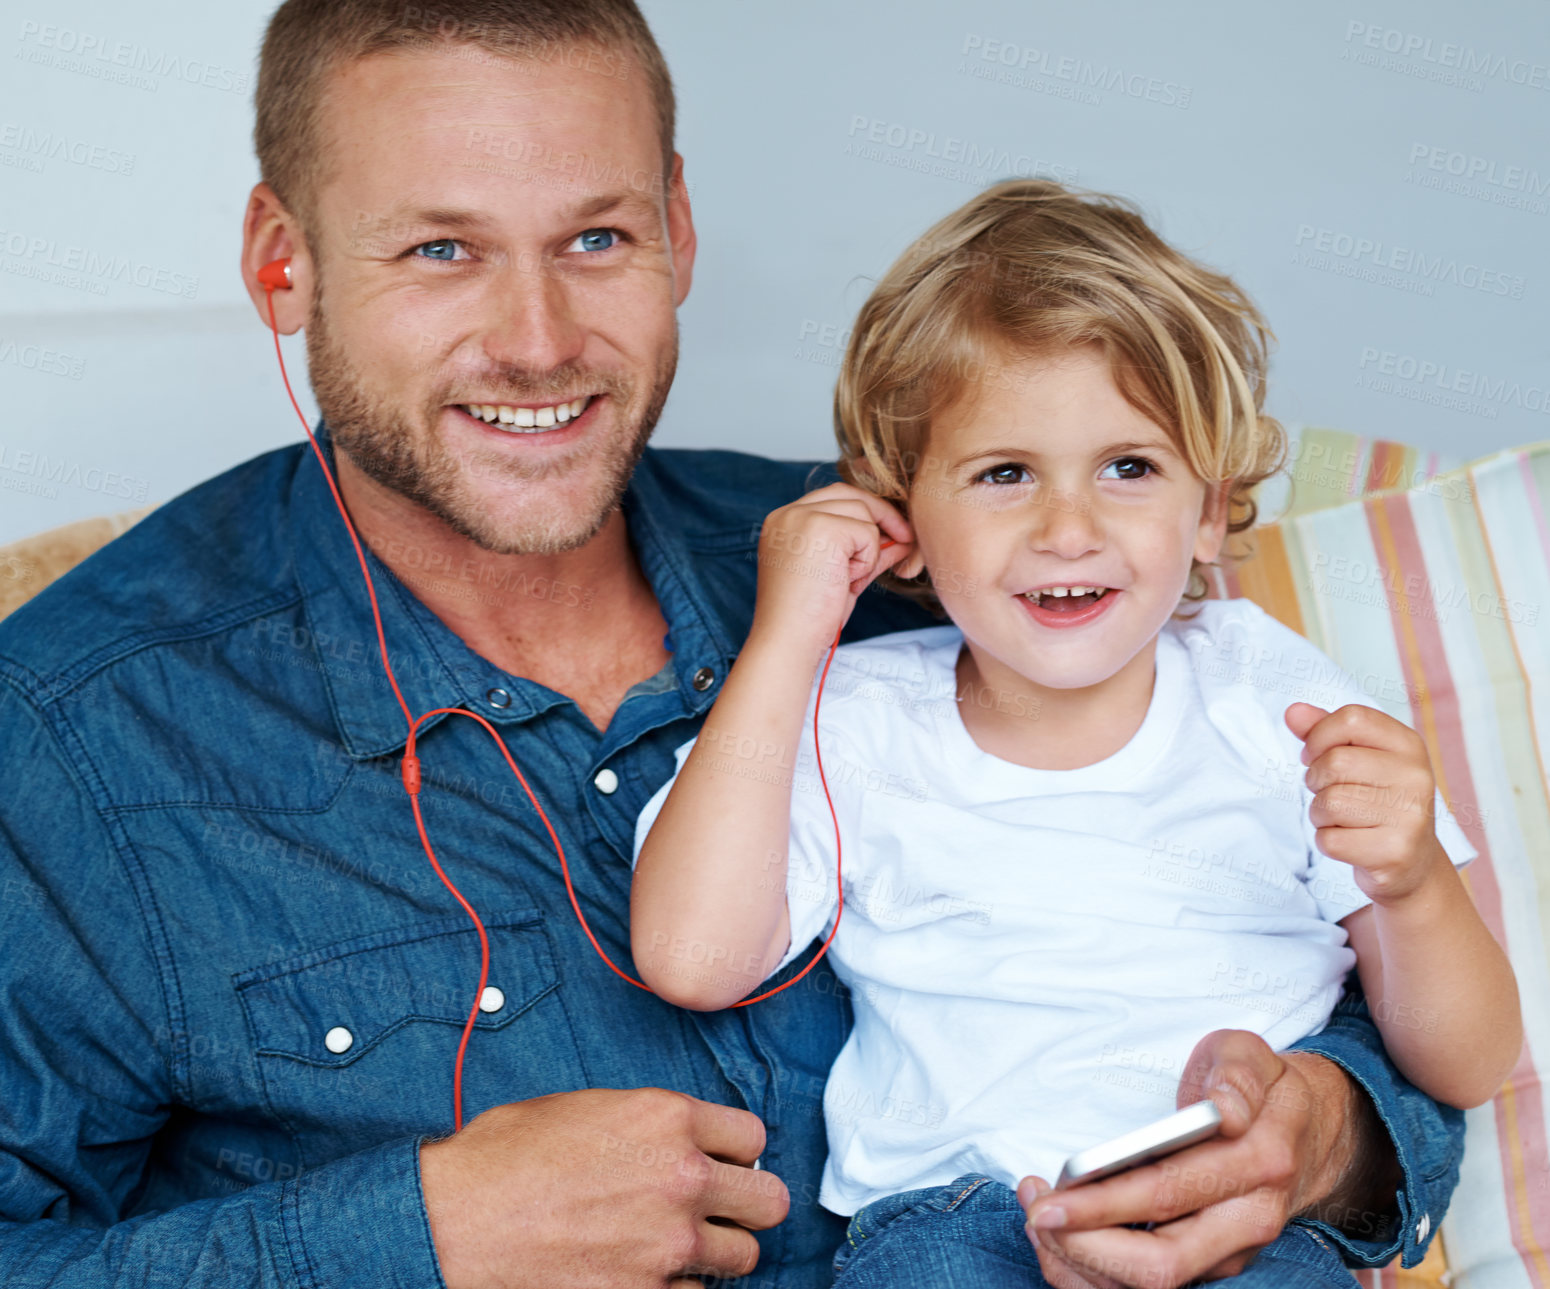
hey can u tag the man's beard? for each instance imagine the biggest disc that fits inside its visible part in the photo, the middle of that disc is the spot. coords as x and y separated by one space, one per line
379 438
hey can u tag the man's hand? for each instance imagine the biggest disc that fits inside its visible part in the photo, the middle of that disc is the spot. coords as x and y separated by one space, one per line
618 1190
1283 1147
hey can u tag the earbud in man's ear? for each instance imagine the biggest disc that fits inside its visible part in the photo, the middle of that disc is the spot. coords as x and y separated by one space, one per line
276 275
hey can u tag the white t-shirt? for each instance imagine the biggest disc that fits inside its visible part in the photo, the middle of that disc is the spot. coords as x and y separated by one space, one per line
1033 953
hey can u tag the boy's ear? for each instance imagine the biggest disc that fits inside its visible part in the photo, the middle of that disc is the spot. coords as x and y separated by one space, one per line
1212 532
914 564
857 469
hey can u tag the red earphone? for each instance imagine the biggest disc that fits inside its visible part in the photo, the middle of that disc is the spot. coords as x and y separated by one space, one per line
276 276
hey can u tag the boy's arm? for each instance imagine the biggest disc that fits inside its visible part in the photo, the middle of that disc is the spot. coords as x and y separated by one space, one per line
1440 988
712 871
711 874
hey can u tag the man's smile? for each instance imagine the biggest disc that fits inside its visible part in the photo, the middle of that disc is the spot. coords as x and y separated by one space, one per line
529 417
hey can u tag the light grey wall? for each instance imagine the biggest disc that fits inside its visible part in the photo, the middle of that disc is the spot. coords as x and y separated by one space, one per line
1313 150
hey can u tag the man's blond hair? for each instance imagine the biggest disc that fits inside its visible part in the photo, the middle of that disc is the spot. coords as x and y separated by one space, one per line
309 39
1030 267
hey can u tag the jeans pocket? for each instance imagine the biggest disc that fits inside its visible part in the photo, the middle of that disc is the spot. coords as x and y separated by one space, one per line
874 1218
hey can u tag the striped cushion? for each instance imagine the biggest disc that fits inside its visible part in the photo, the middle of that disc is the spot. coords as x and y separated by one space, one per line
1431 585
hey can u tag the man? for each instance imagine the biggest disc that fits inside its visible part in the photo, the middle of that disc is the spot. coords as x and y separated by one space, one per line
234 985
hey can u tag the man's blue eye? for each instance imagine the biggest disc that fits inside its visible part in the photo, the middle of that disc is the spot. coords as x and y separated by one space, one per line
443 248
597 239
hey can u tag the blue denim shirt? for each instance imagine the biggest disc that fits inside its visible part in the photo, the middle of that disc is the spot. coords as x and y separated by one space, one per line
207 863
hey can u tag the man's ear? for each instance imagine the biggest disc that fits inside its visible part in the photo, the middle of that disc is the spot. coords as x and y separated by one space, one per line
1212 532
270 232
680 232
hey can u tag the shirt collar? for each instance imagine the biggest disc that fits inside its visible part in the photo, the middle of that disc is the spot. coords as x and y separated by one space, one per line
434 667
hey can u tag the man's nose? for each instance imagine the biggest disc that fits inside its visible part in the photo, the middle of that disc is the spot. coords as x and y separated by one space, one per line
532 319
1064 523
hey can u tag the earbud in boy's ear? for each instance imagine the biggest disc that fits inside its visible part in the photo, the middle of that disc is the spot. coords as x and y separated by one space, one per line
276 275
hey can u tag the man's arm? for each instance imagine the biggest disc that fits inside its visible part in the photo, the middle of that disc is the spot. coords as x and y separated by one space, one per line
358 1220
84 1031
632 1183
1404 1150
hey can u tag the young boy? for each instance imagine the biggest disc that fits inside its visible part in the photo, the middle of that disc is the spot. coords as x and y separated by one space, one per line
1075 840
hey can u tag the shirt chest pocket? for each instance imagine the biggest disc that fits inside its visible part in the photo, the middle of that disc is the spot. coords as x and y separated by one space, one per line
355 1043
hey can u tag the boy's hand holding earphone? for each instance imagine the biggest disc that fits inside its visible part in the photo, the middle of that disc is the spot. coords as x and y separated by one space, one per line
818 554
1374 792
712 870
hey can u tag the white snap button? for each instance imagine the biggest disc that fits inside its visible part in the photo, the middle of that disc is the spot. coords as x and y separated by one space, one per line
1423 1226
338 1040
491 1000
606 781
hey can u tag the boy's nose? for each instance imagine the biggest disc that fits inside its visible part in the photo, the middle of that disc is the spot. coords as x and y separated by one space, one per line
1064 524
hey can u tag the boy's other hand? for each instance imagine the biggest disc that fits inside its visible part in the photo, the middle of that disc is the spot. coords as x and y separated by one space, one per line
1373 795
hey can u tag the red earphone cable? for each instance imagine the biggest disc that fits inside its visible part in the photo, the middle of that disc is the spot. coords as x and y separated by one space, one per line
410 769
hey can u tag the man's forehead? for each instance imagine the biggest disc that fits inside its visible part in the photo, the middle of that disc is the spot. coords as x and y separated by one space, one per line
423 124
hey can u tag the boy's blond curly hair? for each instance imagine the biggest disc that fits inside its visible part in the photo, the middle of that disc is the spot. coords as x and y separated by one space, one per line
1031 266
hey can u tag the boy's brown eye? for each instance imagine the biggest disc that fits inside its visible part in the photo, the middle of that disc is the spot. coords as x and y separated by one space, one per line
1128 467
1004 474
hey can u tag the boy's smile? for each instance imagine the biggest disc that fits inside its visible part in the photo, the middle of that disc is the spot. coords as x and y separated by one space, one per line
1060 524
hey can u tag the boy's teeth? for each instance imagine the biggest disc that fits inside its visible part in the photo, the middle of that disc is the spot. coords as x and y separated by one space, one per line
528 418
1059 592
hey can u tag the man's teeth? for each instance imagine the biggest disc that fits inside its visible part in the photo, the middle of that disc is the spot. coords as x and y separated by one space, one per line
528 418
1059 591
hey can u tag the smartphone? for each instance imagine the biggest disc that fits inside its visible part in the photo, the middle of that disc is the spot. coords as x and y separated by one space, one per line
1191 1124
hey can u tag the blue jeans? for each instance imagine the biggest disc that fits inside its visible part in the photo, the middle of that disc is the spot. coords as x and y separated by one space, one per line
969 1235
